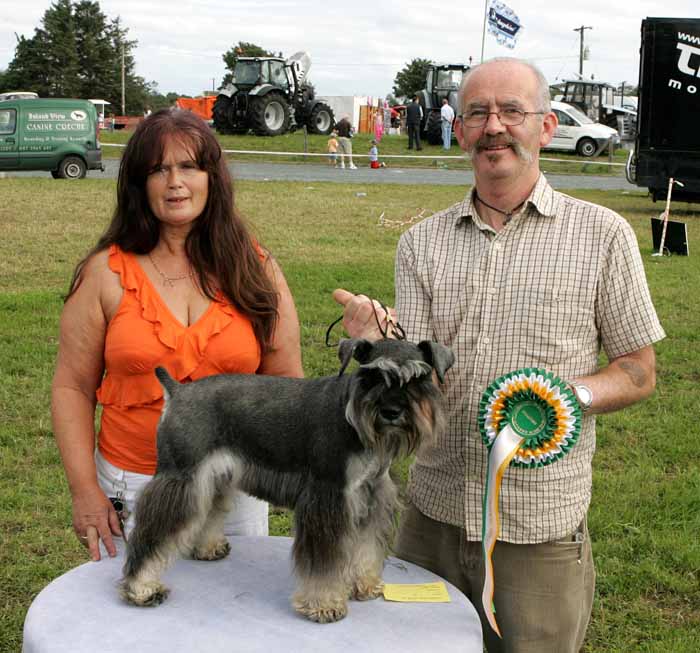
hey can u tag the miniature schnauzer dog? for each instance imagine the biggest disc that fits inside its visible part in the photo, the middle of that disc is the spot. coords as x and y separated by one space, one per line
320 446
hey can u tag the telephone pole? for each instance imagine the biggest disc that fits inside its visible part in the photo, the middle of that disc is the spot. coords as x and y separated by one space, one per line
123 81
580 56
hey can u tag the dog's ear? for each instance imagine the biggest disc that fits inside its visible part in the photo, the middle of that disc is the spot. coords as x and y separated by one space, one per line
438 356
361 350
352 348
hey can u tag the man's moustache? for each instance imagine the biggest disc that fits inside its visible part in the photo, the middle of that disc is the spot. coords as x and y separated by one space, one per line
484 143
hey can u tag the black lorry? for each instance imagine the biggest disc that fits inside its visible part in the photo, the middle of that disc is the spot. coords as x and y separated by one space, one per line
668 122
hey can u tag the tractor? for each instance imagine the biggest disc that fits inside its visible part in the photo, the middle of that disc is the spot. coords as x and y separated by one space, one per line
269 96
441 81
597 101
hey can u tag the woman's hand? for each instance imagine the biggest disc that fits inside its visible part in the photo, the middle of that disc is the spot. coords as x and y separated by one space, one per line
95 519
360 315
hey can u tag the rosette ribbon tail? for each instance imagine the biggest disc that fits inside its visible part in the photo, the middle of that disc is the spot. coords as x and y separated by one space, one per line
504 448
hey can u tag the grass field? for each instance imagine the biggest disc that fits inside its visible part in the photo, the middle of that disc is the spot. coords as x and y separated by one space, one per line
645 515
430 156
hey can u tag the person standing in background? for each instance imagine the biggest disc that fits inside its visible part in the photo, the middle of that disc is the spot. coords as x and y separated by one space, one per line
414 118
447 116
345 130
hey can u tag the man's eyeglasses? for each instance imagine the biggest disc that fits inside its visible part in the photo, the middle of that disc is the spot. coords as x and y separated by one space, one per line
507 117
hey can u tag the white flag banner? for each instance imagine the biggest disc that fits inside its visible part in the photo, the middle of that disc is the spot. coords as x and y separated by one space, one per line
504 23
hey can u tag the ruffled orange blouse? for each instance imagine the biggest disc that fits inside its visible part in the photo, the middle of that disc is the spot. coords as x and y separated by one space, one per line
144 334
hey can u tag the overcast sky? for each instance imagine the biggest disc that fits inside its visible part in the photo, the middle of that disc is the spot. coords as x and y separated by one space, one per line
358 46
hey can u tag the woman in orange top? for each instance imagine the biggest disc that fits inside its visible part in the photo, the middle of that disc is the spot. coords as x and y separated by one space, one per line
176 280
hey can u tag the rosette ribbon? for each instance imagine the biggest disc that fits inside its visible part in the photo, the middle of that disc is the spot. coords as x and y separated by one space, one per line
528 418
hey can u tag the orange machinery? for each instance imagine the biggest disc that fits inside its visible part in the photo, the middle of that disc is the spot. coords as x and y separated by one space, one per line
202 106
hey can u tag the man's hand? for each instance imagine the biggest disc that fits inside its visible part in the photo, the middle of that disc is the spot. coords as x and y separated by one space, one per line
359 316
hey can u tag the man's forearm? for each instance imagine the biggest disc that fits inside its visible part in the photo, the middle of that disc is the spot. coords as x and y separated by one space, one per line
625 381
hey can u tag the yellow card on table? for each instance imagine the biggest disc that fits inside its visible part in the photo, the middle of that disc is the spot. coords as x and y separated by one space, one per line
417 593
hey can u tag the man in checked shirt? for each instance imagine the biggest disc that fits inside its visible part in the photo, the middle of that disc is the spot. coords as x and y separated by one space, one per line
517 275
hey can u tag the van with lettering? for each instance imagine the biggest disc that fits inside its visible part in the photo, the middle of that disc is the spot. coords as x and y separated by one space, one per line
57 135
668 139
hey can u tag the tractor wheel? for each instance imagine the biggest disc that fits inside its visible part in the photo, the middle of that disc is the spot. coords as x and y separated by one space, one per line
433 128
224 116
586 147
423 101
269 114
321 120
220 114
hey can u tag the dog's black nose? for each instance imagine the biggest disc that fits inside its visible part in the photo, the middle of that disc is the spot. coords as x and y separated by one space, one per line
390 414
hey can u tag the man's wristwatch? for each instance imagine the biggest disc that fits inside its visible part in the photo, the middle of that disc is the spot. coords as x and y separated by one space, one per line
583 395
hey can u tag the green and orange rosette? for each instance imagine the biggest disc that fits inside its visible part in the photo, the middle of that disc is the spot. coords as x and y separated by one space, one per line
528 418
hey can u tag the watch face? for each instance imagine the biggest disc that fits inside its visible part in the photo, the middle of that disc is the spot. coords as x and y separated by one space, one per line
585 396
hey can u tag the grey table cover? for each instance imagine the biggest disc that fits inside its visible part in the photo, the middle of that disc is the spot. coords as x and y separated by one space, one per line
241 603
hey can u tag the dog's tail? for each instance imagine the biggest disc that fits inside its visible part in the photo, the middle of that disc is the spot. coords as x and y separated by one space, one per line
169 384
164 509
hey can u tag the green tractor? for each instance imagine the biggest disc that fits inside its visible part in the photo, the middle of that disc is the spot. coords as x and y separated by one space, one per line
268 96
441 81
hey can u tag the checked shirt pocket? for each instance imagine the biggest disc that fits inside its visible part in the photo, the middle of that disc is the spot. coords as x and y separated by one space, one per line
556 327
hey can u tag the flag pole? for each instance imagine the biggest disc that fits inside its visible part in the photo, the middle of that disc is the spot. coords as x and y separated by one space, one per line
483 34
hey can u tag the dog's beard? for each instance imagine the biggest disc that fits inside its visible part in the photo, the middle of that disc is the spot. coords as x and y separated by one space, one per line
418 426
486 141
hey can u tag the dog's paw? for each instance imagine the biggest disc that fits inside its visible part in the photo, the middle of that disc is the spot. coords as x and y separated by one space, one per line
147 595
322 612
212 551
367 588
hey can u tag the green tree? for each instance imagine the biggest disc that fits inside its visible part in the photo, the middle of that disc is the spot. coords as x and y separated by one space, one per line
77 52
411 78
242 49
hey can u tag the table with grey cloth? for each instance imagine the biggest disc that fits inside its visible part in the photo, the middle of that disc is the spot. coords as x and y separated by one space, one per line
240 603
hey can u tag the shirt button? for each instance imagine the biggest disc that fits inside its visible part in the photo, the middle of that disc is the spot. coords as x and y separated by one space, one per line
492 291
486 340
498 247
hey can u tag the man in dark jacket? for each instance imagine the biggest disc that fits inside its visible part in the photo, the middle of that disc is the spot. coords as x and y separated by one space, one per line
344 129
414 117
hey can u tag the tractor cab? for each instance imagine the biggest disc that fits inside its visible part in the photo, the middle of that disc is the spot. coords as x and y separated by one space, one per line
589 97
254 71
441 81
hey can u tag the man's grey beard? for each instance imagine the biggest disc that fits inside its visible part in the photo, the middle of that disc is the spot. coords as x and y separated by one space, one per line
524 155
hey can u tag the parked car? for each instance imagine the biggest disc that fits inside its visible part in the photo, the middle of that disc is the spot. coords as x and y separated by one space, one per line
58 135
578 133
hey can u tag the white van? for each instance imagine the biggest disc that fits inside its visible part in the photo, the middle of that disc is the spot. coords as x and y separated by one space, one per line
578 133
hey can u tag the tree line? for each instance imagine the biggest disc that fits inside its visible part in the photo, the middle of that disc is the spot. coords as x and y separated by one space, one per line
77 51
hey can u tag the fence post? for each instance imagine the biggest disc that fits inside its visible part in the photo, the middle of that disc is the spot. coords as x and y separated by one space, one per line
610 150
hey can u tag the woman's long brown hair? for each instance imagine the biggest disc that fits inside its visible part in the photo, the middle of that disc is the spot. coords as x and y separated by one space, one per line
219 246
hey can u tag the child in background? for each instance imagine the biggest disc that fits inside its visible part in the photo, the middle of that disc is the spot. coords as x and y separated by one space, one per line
333 149
374 156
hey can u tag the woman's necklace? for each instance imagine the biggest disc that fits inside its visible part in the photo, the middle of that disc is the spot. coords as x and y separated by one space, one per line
168 281
508 214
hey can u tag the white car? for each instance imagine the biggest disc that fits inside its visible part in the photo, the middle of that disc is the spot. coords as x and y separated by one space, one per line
577 132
